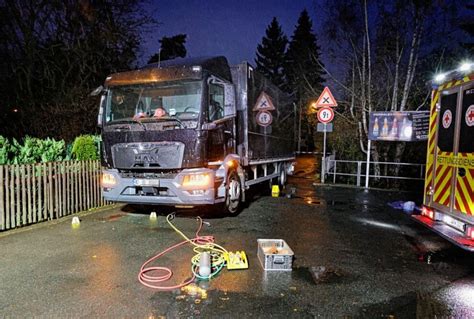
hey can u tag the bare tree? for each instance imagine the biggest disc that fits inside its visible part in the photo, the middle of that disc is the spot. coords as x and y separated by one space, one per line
377 47
54 53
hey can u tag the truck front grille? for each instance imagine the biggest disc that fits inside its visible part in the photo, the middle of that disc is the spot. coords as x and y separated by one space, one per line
153 155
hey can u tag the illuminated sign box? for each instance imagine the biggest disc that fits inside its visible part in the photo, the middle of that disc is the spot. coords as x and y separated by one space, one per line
410 126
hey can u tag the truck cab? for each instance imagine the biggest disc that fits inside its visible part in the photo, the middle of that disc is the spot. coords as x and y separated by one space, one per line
164 128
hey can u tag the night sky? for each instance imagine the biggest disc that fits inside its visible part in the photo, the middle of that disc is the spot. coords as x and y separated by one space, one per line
225 27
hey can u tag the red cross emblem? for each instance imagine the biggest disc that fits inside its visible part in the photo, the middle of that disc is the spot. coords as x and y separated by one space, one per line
470 116
447 118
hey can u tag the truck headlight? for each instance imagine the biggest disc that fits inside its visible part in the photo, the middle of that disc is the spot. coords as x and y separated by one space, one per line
108 180
197 181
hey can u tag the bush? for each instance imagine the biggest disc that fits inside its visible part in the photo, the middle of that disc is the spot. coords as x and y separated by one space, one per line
35 150
5 147
86 147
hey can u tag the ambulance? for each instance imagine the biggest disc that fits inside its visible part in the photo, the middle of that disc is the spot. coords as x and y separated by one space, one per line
449 182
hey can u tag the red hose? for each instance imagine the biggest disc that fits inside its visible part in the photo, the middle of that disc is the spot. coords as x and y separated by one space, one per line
151 276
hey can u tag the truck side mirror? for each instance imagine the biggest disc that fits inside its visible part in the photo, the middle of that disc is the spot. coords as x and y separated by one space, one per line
97 91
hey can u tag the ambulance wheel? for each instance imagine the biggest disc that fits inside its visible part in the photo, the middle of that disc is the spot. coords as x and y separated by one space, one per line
233 196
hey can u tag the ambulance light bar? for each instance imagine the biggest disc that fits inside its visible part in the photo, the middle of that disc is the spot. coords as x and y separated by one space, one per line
466 67
439 78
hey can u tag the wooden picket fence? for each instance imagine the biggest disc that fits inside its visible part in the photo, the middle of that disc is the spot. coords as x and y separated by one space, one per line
33 193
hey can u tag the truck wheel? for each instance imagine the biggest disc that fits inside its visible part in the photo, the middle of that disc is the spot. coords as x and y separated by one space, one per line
233 194
282 178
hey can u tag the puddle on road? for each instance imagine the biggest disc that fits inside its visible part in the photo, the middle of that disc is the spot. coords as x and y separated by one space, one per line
320 275
312 201
110 218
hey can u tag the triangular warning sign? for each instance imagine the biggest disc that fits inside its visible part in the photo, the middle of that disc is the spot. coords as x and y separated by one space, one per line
326 99
264 103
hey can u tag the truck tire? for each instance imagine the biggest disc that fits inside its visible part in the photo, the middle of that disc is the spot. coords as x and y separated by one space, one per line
233 195
282 178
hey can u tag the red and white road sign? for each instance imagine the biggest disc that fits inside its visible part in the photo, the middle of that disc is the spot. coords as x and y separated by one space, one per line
326 99
264 103
325 115
264 118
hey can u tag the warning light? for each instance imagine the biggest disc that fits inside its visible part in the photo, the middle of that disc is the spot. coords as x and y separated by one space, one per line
470 232
427 212
440 77
230 164
466 67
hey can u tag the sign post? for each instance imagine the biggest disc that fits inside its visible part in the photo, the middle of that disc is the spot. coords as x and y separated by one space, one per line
367 168
325 115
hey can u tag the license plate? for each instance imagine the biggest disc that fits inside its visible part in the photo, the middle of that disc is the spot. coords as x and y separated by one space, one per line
454 223
146 182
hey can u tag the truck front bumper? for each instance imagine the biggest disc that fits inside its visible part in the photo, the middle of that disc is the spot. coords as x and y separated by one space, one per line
190 187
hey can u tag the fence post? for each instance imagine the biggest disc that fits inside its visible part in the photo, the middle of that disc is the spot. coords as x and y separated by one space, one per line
334 173
18 195
2 200
34 183
7 196
12 197
359 169
29 190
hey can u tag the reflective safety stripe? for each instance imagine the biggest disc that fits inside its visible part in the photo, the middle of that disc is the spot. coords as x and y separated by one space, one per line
431 143
465 188
444 175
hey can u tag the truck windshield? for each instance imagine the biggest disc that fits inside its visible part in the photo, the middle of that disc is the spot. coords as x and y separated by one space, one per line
172 100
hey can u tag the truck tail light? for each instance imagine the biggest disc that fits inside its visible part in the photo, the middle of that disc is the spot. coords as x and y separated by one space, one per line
108 180
425 211
470 232
199 181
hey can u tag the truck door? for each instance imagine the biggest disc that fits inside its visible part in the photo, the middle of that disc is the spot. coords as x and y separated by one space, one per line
215 112
464 193
443 178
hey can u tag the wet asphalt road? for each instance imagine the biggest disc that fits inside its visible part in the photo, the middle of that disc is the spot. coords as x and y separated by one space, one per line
376 261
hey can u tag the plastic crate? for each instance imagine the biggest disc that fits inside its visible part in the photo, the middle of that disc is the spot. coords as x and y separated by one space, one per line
274 254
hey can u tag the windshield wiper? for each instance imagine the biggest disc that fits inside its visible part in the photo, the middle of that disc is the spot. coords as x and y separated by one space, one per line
177 120
129 121
172 118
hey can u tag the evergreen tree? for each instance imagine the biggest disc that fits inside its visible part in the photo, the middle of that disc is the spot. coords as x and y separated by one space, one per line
271 54
303 65
171 48
304 73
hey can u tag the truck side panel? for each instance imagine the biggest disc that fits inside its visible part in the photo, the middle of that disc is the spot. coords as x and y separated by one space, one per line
277 139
